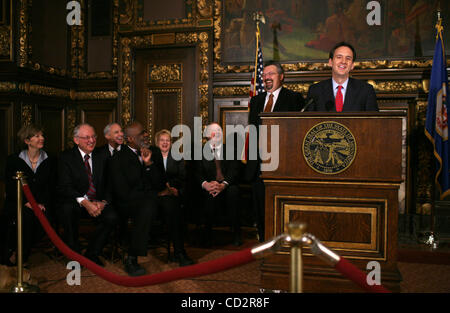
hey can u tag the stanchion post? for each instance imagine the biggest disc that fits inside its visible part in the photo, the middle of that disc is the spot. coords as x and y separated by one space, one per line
21 286
296 232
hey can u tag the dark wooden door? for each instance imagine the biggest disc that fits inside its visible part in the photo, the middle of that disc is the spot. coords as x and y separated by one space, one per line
166 84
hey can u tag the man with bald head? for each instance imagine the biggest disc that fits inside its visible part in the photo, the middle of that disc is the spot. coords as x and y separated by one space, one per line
218 176
136 176
81 189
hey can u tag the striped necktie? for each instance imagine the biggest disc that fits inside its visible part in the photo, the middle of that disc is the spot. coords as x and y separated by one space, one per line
91 191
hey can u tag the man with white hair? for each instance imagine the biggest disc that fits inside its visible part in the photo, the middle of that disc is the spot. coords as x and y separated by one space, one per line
114 135
82 189
217 175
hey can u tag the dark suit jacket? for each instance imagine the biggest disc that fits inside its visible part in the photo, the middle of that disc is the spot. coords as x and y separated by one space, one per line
105 149
73 181
176 173
130 181
287 101
206 170
41 183
360 96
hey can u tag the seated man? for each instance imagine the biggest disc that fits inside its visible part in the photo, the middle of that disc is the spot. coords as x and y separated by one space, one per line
81 186
135 179
217 176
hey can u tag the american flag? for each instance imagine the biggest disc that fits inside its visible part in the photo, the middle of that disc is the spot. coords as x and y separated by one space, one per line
258 87
255 88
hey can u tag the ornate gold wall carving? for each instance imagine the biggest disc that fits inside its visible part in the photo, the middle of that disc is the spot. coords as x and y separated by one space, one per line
71 119
7 86
27 114
164 73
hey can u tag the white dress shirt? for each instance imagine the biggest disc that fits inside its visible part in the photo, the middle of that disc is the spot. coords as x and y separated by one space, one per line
275 97
343 89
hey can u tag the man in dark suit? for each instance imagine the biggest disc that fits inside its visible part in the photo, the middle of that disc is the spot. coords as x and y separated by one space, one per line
341 93
217 175
135 179
81 186
276 99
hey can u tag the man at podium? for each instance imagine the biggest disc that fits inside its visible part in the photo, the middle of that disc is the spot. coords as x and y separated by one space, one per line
340 92
276 99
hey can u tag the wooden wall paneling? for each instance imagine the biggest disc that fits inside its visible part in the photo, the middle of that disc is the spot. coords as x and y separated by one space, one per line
51 117
98 114
6 142
165 88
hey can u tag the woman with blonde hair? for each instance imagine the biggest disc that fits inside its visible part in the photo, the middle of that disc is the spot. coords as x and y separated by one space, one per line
170 199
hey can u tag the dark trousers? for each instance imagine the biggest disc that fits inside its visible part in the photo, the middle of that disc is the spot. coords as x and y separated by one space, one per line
258 203
141 212
228 199
32 232
69 218
170 207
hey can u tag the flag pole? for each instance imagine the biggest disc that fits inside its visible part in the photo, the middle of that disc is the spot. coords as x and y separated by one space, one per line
431 238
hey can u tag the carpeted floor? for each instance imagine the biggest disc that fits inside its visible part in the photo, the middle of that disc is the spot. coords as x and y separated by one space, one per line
50 273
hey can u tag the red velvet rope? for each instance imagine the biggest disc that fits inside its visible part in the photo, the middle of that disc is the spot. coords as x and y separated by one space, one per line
357 276
233 260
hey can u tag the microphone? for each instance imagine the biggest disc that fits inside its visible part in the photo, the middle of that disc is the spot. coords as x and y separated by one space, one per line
311 100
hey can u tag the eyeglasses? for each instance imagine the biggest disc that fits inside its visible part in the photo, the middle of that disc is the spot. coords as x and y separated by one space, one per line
88 137
270 74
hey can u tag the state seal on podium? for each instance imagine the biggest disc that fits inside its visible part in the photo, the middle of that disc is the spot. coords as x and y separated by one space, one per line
329 147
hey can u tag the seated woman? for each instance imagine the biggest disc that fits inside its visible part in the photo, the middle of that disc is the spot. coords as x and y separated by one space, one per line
169 200
39 170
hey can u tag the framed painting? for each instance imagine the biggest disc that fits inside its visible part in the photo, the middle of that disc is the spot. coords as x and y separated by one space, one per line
305 30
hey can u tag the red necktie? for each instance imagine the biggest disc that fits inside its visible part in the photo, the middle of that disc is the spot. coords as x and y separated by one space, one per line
339 100
91 191
219 174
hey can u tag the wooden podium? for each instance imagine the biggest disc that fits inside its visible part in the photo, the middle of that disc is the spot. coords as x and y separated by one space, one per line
339 173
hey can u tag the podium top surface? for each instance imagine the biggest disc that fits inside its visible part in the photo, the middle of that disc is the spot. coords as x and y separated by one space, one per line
354 146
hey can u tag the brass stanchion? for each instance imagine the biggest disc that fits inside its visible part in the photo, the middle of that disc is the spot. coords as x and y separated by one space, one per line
21 286
296 232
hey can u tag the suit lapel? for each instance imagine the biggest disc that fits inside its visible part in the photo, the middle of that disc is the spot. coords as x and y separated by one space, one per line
261 102
349 95
279 103
330 95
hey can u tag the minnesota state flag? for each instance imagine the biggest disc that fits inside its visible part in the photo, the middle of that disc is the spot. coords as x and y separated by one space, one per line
436 127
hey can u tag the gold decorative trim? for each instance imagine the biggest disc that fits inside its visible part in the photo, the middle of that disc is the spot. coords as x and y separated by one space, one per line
23 33
7 86
231 91
372 211
131 18
27 114
71 123
95 95
396 86
151 106
383 202
164 73
6 36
